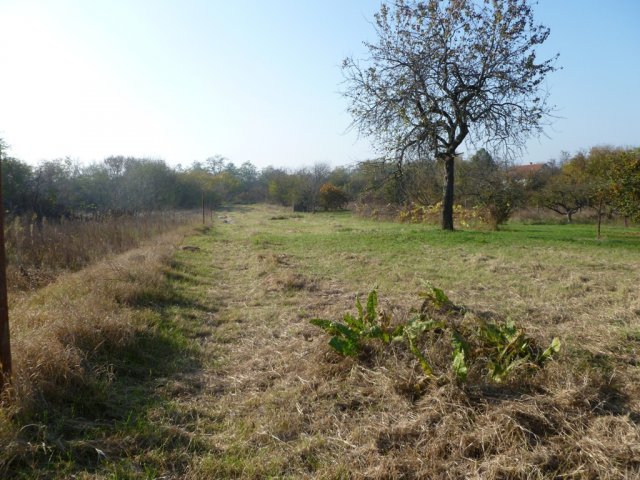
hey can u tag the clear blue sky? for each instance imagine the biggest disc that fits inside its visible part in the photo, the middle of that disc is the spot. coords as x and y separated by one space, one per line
258 80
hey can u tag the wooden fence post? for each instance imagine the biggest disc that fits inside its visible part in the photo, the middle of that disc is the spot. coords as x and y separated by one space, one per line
5 345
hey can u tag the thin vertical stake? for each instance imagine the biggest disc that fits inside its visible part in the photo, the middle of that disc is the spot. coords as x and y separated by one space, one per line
5 344
203 207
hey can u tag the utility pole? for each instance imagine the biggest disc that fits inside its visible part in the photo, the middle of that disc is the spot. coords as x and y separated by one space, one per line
5 345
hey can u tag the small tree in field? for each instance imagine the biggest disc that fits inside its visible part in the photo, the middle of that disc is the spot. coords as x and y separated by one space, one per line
488 184
625 179
443 70
569 191
332 197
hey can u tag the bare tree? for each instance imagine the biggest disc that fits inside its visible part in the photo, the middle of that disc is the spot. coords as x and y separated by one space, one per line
445 70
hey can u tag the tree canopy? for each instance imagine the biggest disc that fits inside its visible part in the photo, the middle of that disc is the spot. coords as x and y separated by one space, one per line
445 70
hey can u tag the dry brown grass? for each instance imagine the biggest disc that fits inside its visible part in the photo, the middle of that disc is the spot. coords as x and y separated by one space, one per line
272 400
82 312
38 251
68 340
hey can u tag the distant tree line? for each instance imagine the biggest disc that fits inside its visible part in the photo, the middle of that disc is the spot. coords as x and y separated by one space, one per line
127 185
605 179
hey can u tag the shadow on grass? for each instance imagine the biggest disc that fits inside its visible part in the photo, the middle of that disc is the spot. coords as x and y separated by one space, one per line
104 419
162 299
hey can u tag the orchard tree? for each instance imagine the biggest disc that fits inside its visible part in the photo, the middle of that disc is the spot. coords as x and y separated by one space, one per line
598 166
625 183
16 180
446 71
216 164
569 191
282 188
488 184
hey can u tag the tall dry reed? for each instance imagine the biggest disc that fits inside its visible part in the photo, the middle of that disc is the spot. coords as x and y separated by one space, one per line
71 339
38 251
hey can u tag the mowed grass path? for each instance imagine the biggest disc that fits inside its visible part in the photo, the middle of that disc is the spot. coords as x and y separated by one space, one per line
273 401
200 362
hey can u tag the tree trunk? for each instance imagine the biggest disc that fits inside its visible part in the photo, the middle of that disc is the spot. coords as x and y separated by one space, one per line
569 214
447 199
599 218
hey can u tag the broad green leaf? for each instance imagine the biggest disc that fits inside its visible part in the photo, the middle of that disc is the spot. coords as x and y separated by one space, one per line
327 325
359 307
421 358
459 365
346 331
417 326
460 353
491 333
550 351
514 346
510 329
355 323
372 304
397 332
459 342
440 298
345 347
335 328
500 371
373 332
322 323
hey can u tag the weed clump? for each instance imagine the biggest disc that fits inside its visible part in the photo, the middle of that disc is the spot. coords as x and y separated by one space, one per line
475 344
